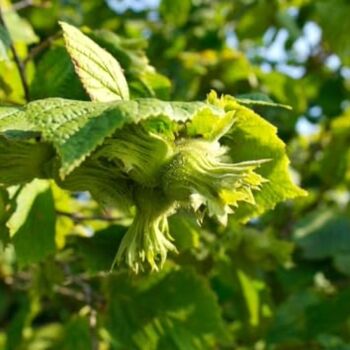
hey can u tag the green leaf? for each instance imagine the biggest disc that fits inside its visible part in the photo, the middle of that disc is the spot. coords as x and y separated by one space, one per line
328 315
77 128
251 290
98 252
156 84
20 29
290 318
76 334
19 319
335 163
5 42
142 78
185 231
323 234
99 72
209 125
259 99
254 138
333 17
11 89
44 337
184 315
175 12
55 77
13 118
341 262
35 218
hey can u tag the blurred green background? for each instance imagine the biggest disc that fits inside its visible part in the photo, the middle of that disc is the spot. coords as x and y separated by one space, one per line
280 282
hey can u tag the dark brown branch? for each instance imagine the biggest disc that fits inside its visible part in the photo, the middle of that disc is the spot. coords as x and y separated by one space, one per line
18 62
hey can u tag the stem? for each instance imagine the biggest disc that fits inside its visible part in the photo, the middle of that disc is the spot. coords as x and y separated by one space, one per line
21 5
18 62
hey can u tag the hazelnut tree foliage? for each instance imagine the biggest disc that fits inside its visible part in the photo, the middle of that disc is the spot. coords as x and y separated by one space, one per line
139 211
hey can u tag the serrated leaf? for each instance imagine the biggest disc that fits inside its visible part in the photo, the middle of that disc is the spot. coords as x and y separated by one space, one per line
184 315
13 118
254 138
77 128
210 126
99 72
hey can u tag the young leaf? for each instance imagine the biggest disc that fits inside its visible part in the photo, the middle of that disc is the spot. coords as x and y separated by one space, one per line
252 137
99 72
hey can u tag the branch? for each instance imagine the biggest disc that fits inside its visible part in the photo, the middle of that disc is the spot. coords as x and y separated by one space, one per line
18 62
69 293
77 217
41 47
20 5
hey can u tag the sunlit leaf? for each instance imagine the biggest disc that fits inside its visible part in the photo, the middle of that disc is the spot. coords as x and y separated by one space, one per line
99 72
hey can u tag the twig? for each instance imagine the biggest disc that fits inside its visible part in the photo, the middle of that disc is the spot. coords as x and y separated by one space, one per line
69 293
21 5
41 47
18 62
77 217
